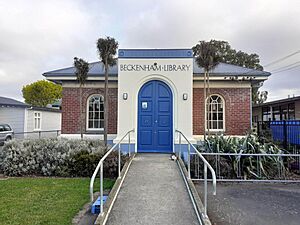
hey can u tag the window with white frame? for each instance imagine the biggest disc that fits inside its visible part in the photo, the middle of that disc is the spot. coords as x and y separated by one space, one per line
215 113
95 116
37 120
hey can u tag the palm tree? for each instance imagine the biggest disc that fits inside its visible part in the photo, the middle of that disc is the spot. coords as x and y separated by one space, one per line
206 56
81 72
107 49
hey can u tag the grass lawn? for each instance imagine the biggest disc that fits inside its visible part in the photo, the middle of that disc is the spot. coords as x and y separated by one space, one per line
30 201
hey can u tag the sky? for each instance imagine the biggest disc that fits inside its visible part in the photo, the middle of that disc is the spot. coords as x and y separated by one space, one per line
39 36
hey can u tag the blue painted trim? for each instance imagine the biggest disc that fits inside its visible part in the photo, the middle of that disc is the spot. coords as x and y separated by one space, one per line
110 142
155 53
155 151
125 148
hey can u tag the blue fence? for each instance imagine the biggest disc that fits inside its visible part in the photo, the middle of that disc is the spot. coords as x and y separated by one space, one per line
287 132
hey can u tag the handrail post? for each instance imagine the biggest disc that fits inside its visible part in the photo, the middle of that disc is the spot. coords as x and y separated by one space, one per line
189 160
179 144
129 148
101 188
119 166
205 189
100 169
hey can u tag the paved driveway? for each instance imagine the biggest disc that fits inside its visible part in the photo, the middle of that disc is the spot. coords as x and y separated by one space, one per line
254 204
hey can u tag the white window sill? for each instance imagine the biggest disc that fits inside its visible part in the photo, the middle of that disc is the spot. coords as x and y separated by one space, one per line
215 130
100 129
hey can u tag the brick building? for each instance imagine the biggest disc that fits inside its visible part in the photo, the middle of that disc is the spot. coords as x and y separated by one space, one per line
156 92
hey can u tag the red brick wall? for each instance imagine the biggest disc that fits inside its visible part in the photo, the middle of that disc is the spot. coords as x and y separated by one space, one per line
237 110
71 110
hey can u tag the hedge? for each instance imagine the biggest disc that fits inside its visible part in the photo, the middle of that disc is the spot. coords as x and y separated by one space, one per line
56 157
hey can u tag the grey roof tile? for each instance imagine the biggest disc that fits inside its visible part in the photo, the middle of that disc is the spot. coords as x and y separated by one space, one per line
229 69
12 102
96 69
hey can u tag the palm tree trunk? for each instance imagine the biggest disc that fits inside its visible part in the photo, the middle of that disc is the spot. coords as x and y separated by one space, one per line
106 104
208 95
204 99
80 108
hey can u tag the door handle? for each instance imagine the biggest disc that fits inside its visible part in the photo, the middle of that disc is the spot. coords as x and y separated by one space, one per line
155 121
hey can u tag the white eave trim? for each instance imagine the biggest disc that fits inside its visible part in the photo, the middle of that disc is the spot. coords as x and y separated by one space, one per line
233 78
200 78
115 78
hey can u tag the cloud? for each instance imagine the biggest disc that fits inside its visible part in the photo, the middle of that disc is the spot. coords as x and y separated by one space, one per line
37 36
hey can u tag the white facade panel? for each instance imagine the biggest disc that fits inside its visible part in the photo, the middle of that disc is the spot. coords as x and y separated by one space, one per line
180 82
49 121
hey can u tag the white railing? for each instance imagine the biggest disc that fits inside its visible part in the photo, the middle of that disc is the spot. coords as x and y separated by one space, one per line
100 167
206 165
38 134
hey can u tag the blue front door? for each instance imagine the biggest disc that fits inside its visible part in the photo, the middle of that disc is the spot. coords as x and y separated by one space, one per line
155 118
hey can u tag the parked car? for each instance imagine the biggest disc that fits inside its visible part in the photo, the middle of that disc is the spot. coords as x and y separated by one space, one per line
6 133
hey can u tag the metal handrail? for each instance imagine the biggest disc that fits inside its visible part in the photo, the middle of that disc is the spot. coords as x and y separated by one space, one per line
247 154
100 166
39 132
206 165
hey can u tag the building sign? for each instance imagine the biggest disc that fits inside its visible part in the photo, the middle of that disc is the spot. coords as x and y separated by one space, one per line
155 67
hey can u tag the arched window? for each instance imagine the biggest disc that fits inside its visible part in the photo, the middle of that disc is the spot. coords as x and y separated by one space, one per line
95 115
215 116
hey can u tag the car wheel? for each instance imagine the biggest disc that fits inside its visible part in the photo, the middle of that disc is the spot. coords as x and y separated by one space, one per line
8 138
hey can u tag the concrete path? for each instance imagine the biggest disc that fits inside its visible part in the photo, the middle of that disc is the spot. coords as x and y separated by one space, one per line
153 192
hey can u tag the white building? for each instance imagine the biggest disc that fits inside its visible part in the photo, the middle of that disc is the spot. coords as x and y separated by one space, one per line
29 121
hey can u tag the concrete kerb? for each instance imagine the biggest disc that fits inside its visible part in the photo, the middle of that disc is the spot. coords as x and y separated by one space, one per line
196 197
102 218
3 177
85 213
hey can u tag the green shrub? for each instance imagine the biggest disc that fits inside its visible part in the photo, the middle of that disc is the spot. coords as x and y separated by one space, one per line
264 167
84 163
111 164
56 157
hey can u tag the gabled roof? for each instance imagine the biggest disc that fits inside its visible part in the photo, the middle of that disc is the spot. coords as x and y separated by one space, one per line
230 70
9 102
96 69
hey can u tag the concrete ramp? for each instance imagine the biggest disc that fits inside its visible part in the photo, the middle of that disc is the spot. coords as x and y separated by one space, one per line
153 192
